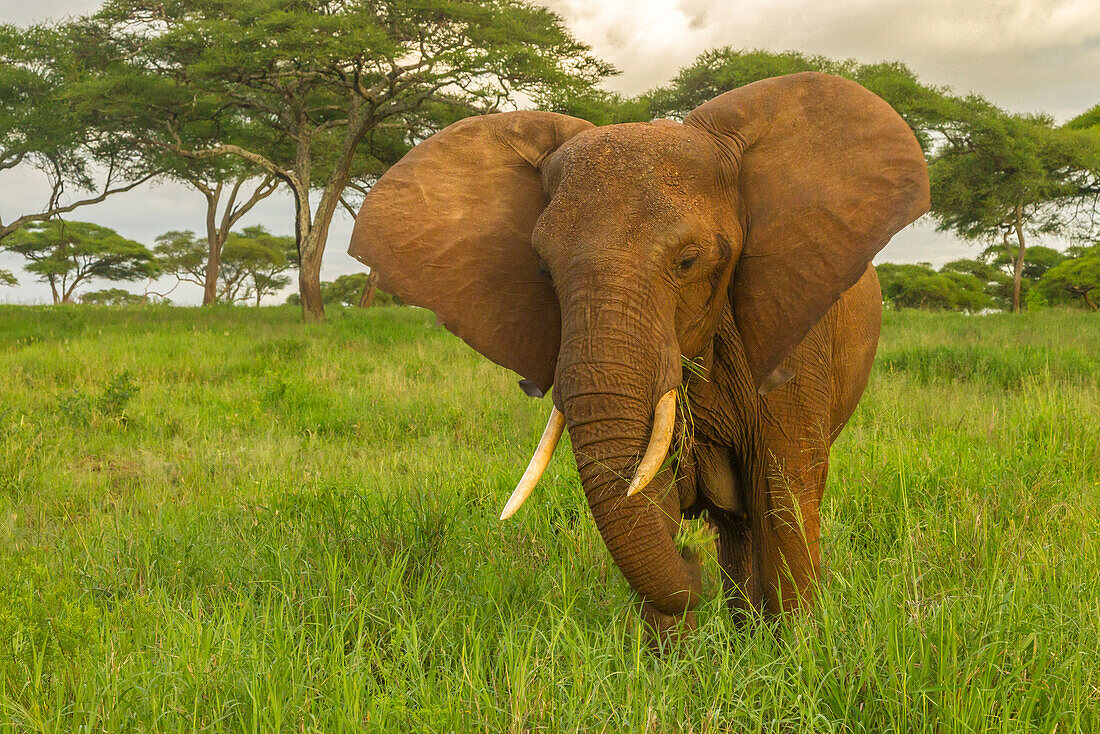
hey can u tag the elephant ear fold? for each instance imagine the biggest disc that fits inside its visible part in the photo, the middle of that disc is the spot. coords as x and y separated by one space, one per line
827 173
448 227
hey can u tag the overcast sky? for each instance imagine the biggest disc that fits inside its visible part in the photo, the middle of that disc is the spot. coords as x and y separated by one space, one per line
1025 55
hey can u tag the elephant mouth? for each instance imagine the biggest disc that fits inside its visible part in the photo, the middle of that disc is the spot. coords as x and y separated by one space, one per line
660 439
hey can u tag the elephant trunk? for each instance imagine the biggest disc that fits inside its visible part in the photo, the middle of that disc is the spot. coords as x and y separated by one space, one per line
608 387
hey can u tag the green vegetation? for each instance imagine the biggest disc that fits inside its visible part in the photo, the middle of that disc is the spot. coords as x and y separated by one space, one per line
119 297
953 288
226 519
251 264
1075 278
69 254
353 289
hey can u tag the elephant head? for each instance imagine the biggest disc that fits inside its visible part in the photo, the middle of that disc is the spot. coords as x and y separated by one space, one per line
596 259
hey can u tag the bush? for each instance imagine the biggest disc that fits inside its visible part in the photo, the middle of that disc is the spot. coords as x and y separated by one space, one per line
117 297
79 408
919 286
346 290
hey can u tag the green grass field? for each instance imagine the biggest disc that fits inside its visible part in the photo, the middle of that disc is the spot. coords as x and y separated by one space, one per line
227 520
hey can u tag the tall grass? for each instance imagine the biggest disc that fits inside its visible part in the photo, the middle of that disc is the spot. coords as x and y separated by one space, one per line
226 520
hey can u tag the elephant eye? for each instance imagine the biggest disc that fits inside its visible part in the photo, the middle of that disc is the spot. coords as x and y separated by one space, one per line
686 263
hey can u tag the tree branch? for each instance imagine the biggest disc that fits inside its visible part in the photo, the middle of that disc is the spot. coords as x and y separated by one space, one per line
11 159
348 207
56 209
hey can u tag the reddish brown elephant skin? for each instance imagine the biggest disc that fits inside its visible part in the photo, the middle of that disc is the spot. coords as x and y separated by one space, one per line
769 546
596 259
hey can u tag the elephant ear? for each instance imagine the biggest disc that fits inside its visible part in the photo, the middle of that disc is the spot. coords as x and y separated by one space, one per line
448 227
827 174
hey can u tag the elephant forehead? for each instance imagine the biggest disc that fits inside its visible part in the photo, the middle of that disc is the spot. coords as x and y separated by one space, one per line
635 177
637 155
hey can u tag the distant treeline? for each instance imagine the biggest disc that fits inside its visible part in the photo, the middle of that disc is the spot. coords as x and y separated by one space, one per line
238 100
1049 278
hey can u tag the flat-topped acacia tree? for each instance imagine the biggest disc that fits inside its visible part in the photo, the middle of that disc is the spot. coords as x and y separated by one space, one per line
296 87
1005 179
66 255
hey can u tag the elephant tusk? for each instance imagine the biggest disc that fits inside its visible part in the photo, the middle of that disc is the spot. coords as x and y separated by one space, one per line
539 462
664 419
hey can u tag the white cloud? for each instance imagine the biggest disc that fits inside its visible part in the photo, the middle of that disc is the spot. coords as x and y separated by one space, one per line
1024 54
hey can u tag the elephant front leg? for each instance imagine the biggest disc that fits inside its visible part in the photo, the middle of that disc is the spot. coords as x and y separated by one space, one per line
786 530
770 552
738 560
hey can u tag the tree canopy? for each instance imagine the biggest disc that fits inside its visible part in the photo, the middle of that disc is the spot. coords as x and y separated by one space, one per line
118 297
67 254
919 286
73 147
254 262
320 93
1077 276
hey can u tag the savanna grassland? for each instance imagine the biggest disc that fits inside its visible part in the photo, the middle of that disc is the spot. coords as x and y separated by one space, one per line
227 520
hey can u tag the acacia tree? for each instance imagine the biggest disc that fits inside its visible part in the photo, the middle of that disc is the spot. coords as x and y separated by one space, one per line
181 253
314 79
1003 179
231 190
68 254
253 262
41 131
1076 276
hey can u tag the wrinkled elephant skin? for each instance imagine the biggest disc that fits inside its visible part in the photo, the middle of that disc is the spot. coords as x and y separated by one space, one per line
599 259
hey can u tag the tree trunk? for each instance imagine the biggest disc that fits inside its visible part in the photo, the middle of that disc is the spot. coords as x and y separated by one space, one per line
213 268
216 234
213 245
1018 262
1088 301
67 295
366 298
311 249
312 235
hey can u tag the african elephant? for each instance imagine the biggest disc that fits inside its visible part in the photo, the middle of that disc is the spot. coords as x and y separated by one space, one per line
713 273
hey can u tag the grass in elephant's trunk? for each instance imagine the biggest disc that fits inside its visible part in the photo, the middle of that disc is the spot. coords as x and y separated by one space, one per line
684 439
637 530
